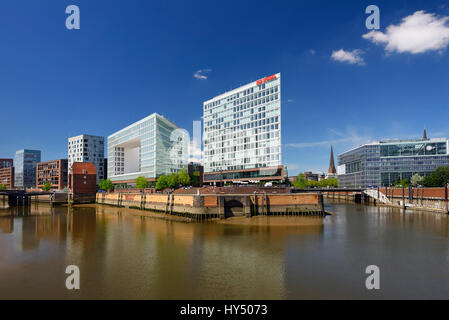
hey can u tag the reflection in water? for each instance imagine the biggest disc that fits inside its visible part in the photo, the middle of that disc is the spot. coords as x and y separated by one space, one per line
125 256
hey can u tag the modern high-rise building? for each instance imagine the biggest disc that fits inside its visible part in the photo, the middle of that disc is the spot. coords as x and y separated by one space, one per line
382 163
150 147
87 148
242 133
25 168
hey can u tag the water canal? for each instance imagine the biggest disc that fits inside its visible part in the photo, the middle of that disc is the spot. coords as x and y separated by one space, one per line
124 256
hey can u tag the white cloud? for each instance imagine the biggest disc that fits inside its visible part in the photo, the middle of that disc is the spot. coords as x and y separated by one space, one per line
351 57
417 33
351 138
200 74
312 51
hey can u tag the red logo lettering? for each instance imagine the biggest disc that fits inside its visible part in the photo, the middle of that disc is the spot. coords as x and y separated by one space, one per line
266 79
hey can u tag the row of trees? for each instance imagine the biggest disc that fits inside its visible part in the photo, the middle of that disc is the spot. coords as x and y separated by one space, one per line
302 183
172 180
438 178
164 181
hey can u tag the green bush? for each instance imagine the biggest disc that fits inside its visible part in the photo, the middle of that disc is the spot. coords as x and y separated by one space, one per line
402 183
47 186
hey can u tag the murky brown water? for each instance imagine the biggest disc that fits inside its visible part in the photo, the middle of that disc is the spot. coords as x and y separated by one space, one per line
122 256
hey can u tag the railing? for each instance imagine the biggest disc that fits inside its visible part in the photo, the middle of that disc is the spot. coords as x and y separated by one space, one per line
376 194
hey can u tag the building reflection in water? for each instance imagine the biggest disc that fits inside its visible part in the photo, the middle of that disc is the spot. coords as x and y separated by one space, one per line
191 260
125 256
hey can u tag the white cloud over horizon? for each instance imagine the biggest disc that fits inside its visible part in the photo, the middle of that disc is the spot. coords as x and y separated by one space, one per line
351 57
201 74
350 138
417 33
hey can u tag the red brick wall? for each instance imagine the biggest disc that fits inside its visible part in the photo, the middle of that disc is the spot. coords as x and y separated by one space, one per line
7 177
417 192
83 178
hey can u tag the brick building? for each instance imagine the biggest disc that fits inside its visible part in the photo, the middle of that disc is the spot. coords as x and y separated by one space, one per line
83 181
7 173
54 171
197 170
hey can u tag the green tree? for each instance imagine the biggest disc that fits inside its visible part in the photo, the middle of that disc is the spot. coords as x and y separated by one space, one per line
438 178
300 182
183 178
142 183
401 183
313 183
416 180
106 184
47 186
330 182
172 180
162 182
2 186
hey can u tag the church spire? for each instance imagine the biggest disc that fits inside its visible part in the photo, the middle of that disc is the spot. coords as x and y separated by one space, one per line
331 162
425 134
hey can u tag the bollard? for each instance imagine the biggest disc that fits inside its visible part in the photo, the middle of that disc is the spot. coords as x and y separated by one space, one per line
445 198
403 197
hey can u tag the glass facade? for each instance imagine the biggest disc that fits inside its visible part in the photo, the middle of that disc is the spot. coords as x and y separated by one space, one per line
242 127
254 174
150 147
87 148
25 168
385 162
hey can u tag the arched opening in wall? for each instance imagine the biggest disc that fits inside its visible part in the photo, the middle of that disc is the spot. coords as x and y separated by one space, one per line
233 208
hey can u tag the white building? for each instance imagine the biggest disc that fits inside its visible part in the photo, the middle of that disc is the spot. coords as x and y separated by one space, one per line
150 147
242 133
87 148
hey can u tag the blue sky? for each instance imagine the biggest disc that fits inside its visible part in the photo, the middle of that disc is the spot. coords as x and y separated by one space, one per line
132 58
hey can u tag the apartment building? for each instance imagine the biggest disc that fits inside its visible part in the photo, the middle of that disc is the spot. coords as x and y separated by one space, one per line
54 171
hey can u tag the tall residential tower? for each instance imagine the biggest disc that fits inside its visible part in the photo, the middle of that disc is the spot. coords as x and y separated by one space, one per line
87 148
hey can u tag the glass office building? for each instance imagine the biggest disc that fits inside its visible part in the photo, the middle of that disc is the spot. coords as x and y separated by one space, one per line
242 132
149 147
25 168
383 163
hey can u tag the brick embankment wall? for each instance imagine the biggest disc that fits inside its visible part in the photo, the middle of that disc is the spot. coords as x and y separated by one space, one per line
217 205
56 198
431 199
